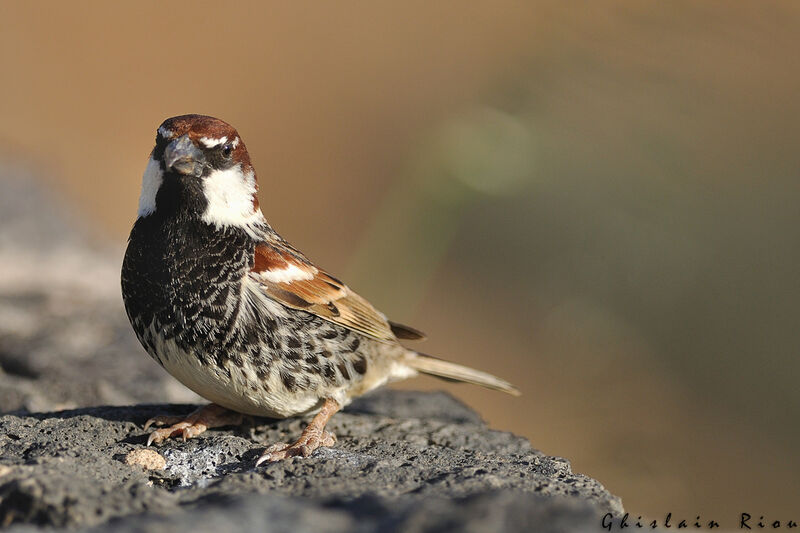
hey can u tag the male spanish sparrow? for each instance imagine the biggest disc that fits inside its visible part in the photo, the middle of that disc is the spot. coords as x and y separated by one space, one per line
237 314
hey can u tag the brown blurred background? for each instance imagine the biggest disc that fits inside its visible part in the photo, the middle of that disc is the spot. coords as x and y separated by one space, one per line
598 201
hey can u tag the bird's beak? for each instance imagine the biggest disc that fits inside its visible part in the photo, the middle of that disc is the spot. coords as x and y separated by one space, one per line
182 156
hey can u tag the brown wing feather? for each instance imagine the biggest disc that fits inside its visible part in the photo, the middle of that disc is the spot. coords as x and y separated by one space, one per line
286 276
401 331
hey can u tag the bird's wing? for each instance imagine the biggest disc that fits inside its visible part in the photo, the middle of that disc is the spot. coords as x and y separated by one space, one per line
287 276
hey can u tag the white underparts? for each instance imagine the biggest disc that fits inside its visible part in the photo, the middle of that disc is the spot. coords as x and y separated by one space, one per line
230 195
151 181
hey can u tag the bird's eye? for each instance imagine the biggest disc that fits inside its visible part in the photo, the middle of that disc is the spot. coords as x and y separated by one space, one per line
227 150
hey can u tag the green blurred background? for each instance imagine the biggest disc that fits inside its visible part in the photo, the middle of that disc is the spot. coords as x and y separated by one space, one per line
596 200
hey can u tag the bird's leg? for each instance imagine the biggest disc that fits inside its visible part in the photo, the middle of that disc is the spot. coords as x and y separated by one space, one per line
193 424
312 437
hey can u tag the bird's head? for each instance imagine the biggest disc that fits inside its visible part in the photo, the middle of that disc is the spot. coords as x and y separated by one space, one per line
200 167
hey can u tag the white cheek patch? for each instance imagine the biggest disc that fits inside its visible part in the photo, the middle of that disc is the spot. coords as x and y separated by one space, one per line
164 132
151 181
230 196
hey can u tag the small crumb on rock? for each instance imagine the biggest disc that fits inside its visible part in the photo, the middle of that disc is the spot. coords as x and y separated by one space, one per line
146 458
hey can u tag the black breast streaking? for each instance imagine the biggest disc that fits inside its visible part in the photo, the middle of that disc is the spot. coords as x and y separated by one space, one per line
182 282
182 279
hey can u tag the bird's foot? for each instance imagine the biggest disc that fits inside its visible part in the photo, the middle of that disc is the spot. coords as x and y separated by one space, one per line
312 437
303 447
191 425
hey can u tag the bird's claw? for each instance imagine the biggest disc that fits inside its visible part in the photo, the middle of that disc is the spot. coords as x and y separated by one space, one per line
191 425
305 446
186 430
163 420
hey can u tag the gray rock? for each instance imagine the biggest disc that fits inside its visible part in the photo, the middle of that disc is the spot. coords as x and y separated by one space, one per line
64 338
389 470
404 461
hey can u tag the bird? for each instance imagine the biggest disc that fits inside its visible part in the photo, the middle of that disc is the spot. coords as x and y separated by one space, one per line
237 314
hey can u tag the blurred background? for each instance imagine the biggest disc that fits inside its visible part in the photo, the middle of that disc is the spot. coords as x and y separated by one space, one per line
597 201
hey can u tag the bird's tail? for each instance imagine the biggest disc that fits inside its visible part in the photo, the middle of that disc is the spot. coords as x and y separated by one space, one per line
427 364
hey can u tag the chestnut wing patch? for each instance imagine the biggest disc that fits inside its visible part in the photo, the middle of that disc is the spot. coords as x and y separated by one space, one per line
285 275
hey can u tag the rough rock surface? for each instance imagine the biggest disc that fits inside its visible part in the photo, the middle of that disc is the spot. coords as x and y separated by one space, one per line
64 338
404 461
